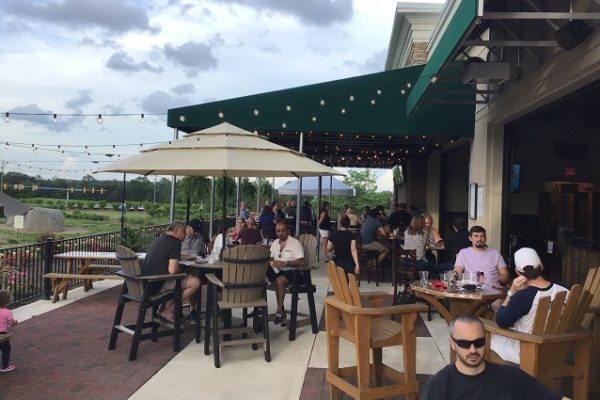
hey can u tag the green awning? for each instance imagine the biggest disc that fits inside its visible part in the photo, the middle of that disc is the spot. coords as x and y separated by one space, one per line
356 122
457 28
371 104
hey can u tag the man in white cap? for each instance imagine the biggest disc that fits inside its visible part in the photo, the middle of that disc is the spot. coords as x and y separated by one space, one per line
519 308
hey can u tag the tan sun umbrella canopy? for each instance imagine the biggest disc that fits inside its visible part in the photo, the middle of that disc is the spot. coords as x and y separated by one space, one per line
222 150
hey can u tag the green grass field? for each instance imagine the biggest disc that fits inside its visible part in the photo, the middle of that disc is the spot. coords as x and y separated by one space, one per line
83 226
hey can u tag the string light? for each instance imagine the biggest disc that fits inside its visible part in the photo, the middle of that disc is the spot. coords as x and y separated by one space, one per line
54 118
322 102
7 117
288 108
256 112
99 119
182 118
220 114
142 119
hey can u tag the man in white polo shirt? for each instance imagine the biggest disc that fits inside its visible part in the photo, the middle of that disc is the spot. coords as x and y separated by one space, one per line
519 308
286 251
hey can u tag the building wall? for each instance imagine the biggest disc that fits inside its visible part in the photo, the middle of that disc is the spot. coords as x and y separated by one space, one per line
560 75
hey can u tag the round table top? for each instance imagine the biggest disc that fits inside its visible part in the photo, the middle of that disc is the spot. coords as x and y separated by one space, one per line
458 293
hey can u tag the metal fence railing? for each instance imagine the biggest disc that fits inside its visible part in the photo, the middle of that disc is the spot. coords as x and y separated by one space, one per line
23 266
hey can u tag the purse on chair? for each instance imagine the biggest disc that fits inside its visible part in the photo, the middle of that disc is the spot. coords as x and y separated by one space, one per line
406 297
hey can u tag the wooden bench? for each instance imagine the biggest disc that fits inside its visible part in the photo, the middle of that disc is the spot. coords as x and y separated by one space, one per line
60 282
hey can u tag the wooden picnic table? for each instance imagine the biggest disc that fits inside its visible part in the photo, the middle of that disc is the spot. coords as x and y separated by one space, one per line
86 265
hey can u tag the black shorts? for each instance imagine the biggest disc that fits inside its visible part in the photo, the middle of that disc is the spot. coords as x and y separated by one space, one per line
289 275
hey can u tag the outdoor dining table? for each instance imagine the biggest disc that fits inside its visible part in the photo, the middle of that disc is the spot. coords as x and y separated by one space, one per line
460 301
81 264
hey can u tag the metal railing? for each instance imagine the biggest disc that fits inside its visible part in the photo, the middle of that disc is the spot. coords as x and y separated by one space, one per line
24 266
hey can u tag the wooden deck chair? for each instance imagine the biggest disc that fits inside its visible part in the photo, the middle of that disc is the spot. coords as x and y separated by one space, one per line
556 334
591 321
369 329
242 286
134 290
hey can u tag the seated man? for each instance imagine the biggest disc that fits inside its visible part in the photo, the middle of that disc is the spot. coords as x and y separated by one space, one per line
368 233
471 377
519 308
163 258
286 251
480 258
193 243
250 235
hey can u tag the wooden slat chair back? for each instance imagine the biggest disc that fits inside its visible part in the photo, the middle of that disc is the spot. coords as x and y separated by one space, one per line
591 321
130 264
370 329
309 244
246 264
242 286
555 336
406 272
134 290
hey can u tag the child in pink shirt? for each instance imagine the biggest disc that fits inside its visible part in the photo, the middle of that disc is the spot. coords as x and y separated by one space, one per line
6 321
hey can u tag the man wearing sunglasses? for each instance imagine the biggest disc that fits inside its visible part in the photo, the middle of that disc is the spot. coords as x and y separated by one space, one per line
286 252
473 378
520 305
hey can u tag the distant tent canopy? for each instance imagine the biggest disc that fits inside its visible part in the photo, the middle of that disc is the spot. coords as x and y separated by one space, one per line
10 207
310 187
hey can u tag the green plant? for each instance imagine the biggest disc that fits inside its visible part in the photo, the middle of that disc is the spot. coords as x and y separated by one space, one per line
131 238
11 279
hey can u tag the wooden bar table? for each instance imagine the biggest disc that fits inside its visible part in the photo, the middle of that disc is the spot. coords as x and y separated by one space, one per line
460 301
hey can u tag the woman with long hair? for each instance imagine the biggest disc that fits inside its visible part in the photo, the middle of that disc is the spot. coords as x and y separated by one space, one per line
415 239
434 240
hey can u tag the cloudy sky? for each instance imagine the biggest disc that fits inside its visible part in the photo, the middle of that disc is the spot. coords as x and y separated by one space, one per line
90 57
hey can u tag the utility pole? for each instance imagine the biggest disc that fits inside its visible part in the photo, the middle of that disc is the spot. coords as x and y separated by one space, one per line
2 178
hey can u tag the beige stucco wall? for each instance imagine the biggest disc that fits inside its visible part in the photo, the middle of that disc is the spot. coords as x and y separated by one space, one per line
562 74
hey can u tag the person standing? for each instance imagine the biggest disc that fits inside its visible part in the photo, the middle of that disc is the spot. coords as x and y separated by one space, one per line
480 258
454 243
7 321
470 377
520 305
286 251
324 225
399 218
343 244
163 258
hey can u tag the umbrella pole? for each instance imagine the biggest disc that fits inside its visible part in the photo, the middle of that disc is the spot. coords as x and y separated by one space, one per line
212 207
173 183
237 196
224 229
299 194
122 207
258 198
319 187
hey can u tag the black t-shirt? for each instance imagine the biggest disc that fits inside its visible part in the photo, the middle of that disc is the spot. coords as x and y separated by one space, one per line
496 382
342 245
399 219
163 249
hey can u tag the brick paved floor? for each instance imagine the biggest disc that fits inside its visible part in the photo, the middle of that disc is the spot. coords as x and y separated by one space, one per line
63 354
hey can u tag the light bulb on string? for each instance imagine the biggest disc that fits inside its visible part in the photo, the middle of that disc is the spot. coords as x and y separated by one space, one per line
54 118
142 119
6 146
402 91
220 114
408 85
379 92
288 108
182 118
322 102
256 112
283 125
314 119
351 98
372 102
343 110
99 119
7 117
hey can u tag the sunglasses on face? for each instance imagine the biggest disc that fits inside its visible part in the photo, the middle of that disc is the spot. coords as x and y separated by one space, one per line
466 344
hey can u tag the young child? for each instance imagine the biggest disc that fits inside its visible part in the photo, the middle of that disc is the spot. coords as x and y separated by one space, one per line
6 322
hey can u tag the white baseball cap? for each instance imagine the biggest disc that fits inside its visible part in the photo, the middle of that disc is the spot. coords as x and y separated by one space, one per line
526 256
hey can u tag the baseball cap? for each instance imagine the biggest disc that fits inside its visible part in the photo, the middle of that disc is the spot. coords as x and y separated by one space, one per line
526 256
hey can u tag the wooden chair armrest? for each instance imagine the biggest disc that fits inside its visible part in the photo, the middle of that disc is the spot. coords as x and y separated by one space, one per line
370 295
376 311
492 327
164 277
593 310
212 278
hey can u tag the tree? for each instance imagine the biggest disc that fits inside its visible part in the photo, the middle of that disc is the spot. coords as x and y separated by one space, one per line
362 180
194 188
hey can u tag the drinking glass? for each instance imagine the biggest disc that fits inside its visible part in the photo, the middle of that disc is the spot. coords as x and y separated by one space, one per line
480 280
470 277
423 275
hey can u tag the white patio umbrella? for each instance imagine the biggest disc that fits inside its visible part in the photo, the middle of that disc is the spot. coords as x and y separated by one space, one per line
222 150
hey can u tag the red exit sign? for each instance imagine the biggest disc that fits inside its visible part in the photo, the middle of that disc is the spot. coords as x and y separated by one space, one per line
569 171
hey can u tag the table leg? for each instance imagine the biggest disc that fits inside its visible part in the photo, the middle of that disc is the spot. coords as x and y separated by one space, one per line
444 312
294 311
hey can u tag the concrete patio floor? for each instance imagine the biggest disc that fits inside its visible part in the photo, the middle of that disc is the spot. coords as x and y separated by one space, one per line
245 374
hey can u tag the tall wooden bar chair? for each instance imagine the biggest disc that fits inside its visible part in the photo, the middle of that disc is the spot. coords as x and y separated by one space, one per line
370 330
406 272
368 261
242 286
591 321
135 290
557 333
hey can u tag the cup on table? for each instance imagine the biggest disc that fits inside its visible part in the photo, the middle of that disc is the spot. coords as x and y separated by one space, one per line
423 275
480 280
470 277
